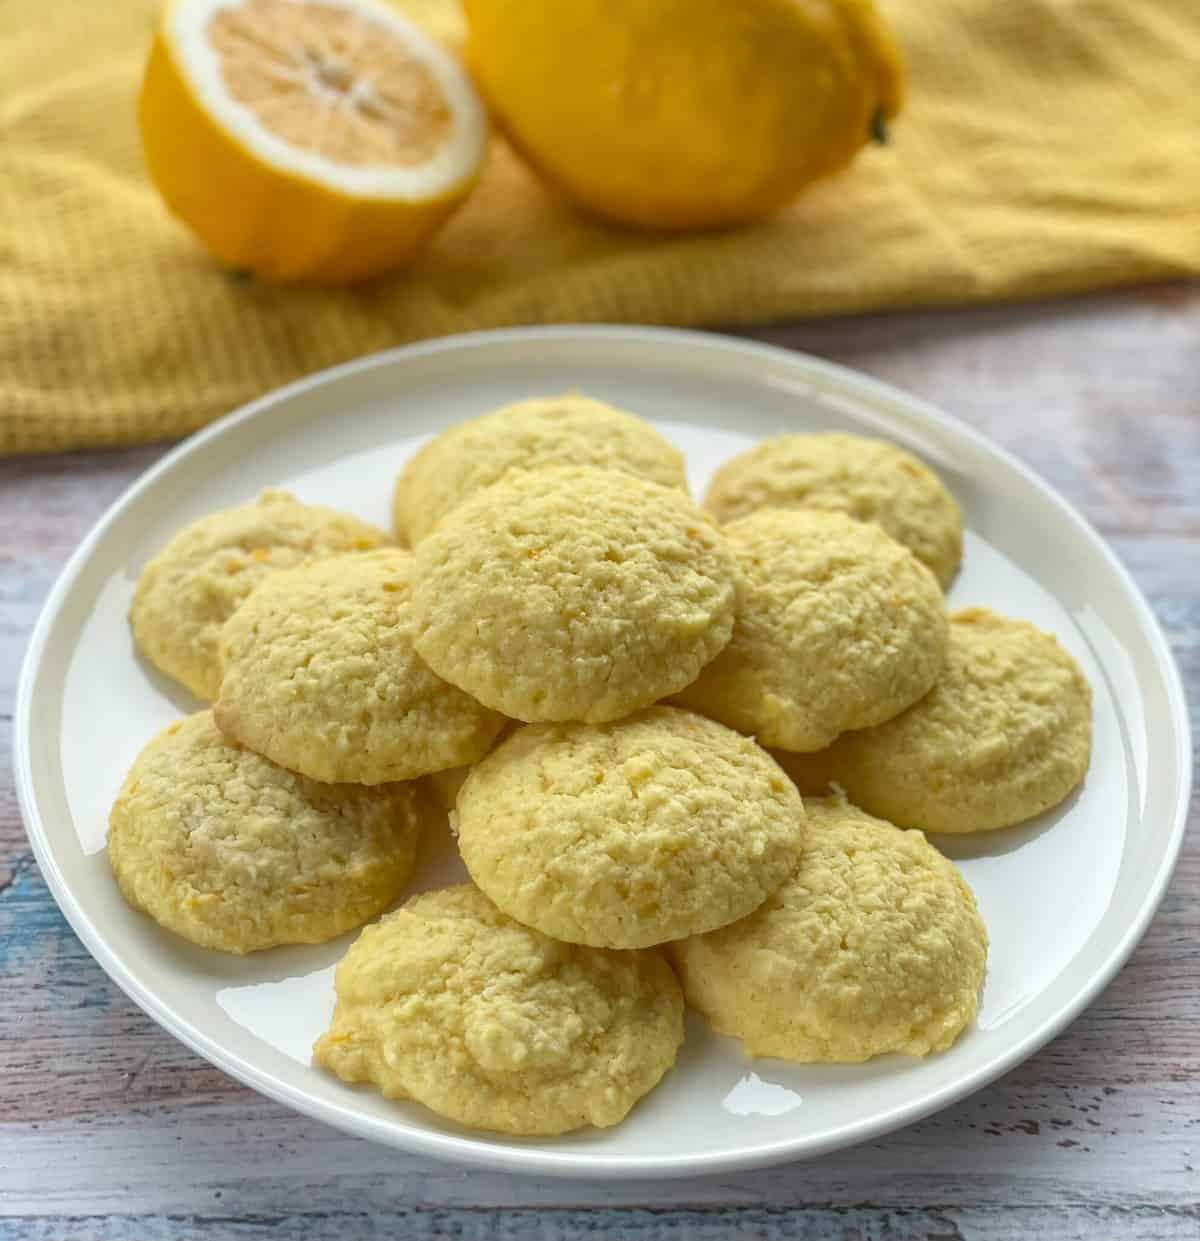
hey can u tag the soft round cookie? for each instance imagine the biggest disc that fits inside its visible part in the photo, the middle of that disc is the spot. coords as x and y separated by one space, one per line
838 626
1004 735
868 479
196 582
224 848
488 1023
873 945
628 834
321 676
573 594
527 435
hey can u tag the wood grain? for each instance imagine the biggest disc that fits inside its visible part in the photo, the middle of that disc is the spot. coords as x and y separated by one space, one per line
111 1129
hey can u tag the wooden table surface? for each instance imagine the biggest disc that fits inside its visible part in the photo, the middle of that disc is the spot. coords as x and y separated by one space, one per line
111 1129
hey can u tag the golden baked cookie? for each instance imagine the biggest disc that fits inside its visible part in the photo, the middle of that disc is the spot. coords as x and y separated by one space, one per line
533 434
868 479
838 626
628 834
873 945
573 594
320 675
196 582
1004 735
491 1024
226 849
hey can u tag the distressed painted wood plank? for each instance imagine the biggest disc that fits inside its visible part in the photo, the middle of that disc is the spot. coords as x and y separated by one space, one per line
1098 1135
1076 1223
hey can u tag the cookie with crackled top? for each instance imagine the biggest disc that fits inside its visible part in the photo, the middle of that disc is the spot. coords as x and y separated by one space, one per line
873 944
632 833
190 588
450 1002
320 675
573 594
1004 735
838 627
232 852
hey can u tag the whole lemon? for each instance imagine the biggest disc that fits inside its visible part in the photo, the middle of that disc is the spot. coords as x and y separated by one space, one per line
685 114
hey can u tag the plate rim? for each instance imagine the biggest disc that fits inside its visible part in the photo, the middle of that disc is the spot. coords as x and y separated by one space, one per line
493 1153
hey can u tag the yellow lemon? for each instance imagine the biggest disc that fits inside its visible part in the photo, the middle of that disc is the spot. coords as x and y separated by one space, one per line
307 139
682 114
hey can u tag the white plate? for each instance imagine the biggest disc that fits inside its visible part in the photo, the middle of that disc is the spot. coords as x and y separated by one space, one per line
1065 898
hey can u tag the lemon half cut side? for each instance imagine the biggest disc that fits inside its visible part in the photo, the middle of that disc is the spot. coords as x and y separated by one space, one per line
319 140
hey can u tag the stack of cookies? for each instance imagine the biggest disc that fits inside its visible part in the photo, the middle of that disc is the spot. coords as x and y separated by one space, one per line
619 697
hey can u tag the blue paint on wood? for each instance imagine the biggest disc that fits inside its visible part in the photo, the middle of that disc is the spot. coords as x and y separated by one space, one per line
35 939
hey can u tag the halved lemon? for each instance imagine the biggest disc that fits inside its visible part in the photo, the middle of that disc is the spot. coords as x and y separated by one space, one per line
318 140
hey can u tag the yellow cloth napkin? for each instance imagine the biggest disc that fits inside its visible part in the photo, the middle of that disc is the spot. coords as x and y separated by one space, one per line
1048 146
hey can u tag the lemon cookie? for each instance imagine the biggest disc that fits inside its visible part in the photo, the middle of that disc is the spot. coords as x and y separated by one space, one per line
545 431
320 675
868 479
195 583
873 945
632 833
491 1024
838 626
573 594
1004 735
224 848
